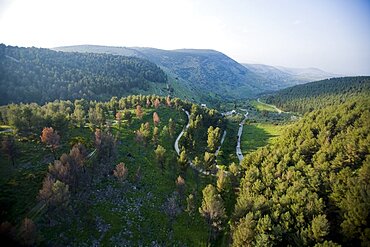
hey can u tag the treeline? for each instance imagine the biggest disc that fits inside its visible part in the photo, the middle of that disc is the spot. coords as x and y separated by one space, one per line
311 188
43 75
319 94
31 118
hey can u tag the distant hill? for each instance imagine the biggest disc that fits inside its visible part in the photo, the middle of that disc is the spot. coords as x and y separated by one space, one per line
320 94
282 77
41 75
207 72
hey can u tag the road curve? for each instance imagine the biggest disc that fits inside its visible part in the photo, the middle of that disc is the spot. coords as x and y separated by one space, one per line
182 132
177 149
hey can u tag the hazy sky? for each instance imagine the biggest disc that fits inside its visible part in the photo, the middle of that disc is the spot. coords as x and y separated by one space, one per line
333 35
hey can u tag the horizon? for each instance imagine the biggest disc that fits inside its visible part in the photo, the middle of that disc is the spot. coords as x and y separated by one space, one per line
332 36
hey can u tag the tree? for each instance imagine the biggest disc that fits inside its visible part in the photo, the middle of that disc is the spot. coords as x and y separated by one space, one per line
28 232
171 127
139 112
79 115
51 139
105 144
180 186
9 148
223 181
155 135
209 160
168 101
171 208
119 118
160 153
54 194
182 160
319 227
212 210
127 115
244 233
155 118
156 103
213 138
190 205
120 172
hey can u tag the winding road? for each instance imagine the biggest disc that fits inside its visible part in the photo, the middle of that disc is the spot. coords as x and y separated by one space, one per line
240 132
177 149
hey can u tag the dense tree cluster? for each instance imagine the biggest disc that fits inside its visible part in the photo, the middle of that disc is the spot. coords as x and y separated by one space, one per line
319 94
311 187
42 75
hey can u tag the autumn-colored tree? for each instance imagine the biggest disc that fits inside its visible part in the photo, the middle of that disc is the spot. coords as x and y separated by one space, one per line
119 119
54 194
160 154
28 232
120 172
139 112
212 210
168 101
9 148
148 103
156 103
51 139
180 186
155 118
105 144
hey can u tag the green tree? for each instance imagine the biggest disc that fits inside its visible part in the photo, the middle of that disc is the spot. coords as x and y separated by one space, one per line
212 210
160 154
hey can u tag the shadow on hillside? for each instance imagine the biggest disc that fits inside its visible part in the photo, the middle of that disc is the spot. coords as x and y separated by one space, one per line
254 138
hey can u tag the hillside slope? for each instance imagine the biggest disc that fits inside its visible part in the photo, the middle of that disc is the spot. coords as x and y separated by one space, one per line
282 77
41 75
319 94
209 72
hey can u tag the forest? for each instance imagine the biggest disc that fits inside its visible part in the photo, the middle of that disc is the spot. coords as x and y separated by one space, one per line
42 75
319 94
85 162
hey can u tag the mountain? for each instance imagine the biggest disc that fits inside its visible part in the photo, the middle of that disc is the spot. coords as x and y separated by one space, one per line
282 77
41 75
320 94
207 72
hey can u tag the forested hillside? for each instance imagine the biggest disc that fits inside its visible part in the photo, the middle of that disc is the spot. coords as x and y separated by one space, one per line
41 75
207 72
319 94
312 187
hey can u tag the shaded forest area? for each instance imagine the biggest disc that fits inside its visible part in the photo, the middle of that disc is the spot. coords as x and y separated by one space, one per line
42 75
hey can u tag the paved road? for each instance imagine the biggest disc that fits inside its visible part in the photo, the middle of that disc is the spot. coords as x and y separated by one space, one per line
182 132
240 132
177 149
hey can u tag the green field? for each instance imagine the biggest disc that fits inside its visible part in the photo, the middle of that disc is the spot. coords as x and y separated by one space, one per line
259 135
262 107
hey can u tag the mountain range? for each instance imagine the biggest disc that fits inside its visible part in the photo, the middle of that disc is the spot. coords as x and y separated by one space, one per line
209 74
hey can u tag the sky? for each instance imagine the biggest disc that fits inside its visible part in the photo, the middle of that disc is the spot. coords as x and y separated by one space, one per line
333 35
